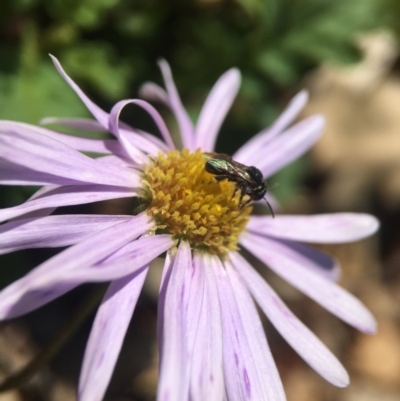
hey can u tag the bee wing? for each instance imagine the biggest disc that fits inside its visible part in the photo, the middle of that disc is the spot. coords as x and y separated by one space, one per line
214 155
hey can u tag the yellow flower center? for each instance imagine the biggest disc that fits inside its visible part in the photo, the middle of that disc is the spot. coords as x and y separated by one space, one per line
189 203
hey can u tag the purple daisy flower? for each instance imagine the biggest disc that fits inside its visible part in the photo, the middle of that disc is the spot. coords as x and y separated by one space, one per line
212 344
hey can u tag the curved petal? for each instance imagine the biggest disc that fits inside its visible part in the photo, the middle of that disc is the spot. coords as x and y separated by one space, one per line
154 93
288 264
174 373
107 335
52 231
289 146
321 228
119 133
207 380
174 101
246 153
66 270
300 338
46 155
215 108
133 152
66 196
100 115
142 140
249 369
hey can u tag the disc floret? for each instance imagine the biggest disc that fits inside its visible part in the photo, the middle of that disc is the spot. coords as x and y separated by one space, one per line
188 202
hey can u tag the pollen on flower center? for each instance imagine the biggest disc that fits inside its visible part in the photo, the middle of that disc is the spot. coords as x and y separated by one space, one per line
189 203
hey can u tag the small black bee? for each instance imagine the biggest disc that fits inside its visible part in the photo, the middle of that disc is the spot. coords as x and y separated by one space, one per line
248 179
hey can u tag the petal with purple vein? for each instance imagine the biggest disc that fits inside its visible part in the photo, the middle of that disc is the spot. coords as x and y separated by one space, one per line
44 154
107 334
271 385
142 140
174 370
67 196
14 174
306 344
320 228
289 264
249 369
207 380
83 144
52 231
74 266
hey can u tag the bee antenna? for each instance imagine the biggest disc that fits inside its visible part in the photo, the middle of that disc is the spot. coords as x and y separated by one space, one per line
270 208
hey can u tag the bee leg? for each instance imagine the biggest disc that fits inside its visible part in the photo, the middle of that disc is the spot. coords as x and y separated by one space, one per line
245 203
221 177
235 191
242 188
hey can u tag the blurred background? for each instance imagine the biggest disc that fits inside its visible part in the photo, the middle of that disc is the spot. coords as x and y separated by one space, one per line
345 52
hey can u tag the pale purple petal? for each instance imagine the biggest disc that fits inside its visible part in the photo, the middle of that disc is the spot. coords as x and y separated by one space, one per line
67 269
159 144
165 275
85 124
246 152
174 101
154 93
215 109
153 113
35 214
138 250
207 380
107 335
100 115
100 245
306 344
289 146
66 196
118 161
14 174
132 150
322 228
52 231
174 373
83 144
128 259
249 370
289 264
319 262
46 155
194 289
271 385
142 140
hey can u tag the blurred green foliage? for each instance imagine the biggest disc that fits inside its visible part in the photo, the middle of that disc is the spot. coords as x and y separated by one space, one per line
111 46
